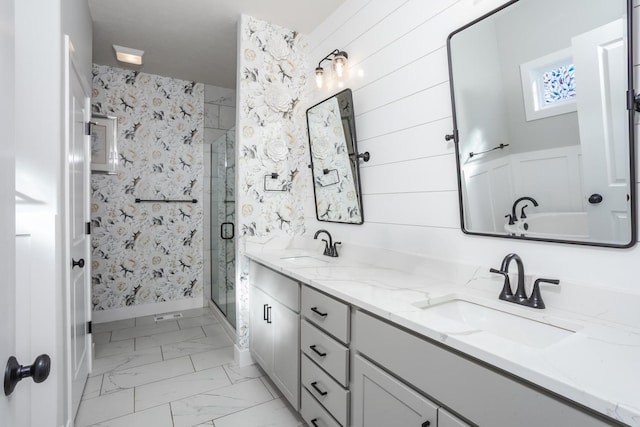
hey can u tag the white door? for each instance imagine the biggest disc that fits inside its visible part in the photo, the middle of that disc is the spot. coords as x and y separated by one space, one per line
7 206
600 59
78 115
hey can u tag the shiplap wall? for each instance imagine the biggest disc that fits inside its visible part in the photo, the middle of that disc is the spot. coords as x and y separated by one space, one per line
398 60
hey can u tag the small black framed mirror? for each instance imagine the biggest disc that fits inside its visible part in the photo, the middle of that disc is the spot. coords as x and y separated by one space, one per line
334 159
543 110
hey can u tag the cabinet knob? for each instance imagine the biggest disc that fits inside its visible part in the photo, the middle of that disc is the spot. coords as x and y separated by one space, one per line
426 424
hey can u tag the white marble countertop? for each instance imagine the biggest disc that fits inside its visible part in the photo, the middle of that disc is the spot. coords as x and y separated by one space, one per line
595 365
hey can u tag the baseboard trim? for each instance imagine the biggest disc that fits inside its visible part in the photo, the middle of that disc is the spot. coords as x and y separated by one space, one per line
242 356
145 310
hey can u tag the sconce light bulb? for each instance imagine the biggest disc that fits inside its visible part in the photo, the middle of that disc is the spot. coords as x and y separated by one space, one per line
319 78
340 63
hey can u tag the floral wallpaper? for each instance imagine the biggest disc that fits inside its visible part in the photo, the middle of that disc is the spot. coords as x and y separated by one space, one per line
148 252
273 173
335 188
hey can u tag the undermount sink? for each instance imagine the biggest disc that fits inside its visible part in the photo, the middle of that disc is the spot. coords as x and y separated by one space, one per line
305 261
500 323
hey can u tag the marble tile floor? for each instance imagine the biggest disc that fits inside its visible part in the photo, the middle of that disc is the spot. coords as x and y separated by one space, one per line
176 373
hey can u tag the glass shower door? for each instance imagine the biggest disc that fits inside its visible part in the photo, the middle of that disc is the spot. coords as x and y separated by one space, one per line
223 289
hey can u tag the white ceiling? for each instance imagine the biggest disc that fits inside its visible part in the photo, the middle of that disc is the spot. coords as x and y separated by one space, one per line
192 39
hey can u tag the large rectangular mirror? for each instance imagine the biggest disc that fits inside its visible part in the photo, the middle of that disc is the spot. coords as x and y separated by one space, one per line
334 159
543 104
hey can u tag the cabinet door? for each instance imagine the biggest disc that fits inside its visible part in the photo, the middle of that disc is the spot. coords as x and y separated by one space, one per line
380 400
286 352
445 419
261 338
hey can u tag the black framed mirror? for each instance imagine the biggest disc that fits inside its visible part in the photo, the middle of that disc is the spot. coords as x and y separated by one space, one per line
543 112
334 159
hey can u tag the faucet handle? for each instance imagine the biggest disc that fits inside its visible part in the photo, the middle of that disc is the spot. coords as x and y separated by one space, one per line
327 249
506 294
512 220
335 249
522 214
535 300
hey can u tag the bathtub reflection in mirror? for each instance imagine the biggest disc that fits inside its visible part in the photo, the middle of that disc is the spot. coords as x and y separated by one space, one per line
539 91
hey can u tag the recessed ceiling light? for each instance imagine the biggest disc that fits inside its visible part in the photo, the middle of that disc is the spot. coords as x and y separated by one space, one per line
128 55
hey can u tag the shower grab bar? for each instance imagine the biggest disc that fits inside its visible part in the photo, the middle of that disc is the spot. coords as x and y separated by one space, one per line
166 201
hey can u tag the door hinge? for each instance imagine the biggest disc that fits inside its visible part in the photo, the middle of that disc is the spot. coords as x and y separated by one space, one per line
87 128
89 327
87 228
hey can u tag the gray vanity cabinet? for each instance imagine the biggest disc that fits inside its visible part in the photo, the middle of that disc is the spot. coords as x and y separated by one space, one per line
485 396
275 329
324 359
380 400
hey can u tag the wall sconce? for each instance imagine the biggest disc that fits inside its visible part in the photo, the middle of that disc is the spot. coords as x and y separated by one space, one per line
128 55
339 59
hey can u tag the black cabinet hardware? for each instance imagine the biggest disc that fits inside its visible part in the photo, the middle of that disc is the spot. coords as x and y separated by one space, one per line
314 422
315 386
316 351
264 311
269 314
78 263
318 312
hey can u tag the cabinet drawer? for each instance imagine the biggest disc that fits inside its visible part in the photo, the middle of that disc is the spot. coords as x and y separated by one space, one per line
328 353
313 412
280 287
327 313
326 390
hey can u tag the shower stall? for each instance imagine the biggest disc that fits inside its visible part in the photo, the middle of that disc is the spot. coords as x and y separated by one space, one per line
223 172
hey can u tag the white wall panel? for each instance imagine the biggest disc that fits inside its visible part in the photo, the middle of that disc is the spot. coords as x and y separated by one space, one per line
355 26
428 174
329 28
429 105
436 209
415 142
428 71
398 23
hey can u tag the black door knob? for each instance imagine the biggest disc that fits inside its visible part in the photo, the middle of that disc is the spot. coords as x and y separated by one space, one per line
78 263
15 372
594 199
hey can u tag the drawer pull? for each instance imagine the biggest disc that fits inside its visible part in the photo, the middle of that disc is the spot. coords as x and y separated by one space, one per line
322 393
316 351
264 311
269 314
318 312
426 424
314 422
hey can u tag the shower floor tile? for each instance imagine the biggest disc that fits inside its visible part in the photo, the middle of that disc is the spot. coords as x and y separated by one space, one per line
176 373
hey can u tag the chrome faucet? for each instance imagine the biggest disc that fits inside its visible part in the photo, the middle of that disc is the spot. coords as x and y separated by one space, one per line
330 248
514 216
520 297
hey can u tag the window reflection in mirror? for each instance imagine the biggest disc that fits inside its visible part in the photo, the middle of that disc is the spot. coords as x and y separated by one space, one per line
539 90
334 161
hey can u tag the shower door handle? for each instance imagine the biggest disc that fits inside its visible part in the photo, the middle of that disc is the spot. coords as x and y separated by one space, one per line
225 236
